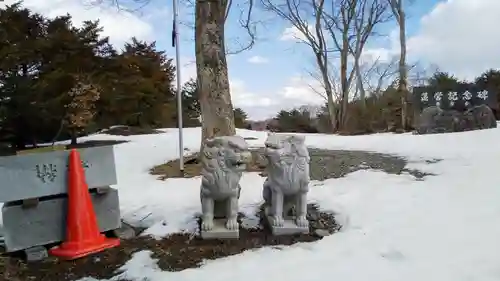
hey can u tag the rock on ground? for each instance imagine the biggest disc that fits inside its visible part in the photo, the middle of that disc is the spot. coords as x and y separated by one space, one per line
435 120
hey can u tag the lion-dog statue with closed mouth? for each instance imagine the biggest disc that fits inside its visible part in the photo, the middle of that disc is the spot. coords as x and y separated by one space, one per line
286 187
223 162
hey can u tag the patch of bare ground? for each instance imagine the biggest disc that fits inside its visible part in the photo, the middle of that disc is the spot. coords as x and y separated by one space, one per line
130 131
174 253
324 164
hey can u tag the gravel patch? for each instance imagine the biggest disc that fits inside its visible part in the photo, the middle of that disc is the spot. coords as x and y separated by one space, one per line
324 164
338 163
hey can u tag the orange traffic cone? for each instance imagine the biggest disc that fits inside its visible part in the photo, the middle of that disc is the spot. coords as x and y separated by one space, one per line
82 232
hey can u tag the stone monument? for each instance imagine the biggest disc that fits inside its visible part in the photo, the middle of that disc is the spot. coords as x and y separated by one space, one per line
465 108
286 187
434 120
223 161
34 190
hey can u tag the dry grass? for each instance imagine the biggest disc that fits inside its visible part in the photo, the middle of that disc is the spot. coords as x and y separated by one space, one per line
130 131
50 148
192 167
41 149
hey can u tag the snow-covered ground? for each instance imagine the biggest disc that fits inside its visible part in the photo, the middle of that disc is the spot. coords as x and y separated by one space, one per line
443 228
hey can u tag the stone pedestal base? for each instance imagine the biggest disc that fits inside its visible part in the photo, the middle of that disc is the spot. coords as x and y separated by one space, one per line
288 228
220 231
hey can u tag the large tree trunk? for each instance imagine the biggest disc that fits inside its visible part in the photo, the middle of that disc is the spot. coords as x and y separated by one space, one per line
332 114
322 62
403 87
211 68
344 80
359 81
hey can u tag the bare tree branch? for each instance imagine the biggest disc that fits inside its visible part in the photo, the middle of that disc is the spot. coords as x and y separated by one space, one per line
246 22
246 19
299 14
379 74
133 6
369 14
317 78
228 9
399 14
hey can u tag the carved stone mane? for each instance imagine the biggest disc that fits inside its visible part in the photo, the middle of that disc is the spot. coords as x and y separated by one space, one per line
222 166
288 160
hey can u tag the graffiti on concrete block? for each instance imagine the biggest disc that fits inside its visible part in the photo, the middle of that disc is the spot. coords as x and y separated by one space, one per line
46 172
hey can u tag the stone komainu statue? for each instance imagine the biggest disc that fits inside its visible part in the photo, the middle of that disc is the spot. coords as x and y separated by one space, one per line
287 184
223 162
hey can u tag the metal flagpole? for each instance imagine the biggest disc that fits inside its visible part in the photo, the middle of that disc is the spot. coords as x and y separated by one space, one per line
175 42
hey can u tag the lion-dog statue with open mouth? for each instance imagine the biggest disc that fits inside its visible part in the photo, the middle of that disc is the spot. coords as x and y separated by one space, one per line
287 184
224 160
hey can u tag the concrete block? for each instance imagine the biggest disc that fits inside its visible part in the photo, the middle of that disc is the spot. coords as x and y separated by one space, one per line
45 223
44 174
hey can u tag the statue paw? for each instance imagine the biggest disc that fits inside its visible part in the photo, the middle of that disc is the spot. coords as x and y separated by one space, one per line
301 221
278 221
207 224
232 224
